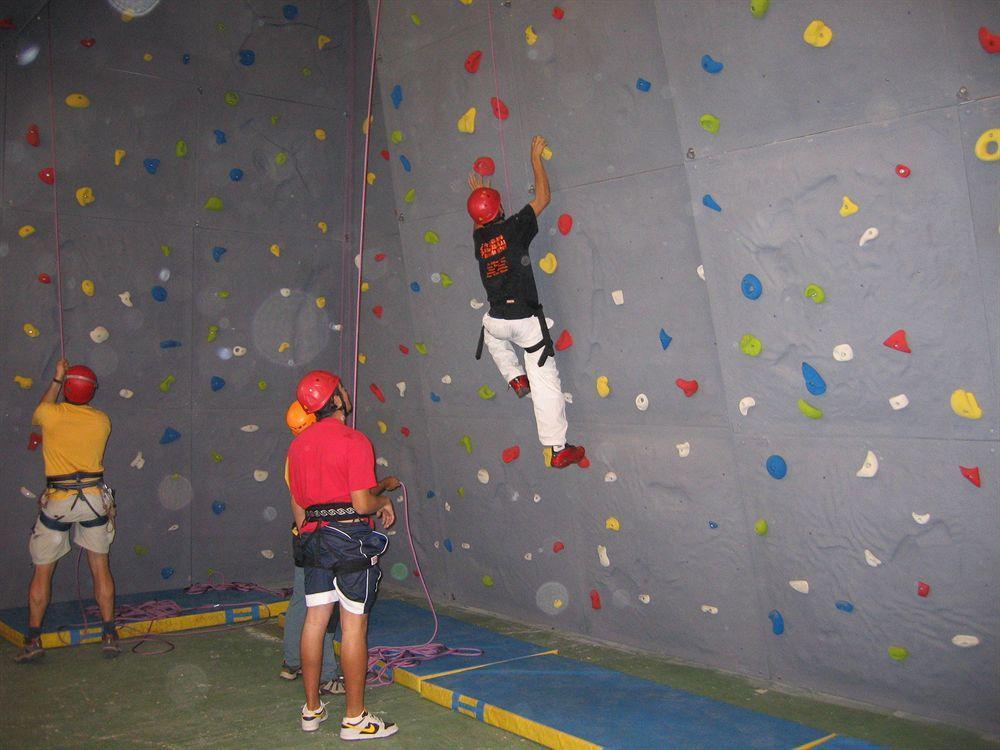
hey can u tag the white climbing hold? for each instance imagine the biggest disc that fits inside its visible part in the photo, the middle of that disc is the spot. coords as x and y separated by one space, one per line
701 272
239 351
446 380
483 476
126 393
618 296
965 641
921 518
683 449
567 397
138 462
249 428
899 402
164 275
401 387
466 545
337 326
436 277
527 556
642 402
746 404
536 498
708 609
843 353
871 559
381 461
286 292
801 586
610 477
99 335
869 468
602 555
267 554
447 507
174 527
475 304
260 475
126 298
357 261
645 598
28 493
867 236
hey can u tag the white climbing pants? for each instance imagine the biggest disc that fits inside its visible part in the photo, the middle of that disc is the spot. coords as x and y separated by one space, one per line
546 390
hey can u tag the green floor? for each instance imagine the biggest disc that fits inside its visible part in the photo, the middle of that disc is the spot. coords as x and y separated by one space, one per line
222 691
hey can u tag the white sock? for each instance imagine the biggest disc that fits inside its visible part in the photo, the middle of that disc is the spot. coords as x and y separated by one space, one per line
355 719
557 448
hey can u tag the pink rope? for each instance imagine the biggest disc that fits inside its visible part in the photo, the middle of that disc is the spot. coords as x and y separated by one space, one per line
496 88
345 242
55 198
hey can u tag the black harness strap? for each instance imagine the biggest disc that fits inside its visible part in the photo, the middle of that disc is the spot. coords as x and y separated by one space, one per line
546 345
80 481
331 512
53 524
482 340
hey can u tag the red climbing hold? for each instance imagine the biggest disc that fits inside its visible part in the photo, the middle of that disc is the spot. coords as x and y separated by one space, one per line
32 136
511 454
379 257
472 61
484 165
690 387
558 547
405 431
923 589
902 170
404 349
384 154
558 13
45 278
595 599
500 110
583 463
88 42
377 311
47 175
8 24
898 342
565 341
972 474
34 440
378 392
565 223
990 41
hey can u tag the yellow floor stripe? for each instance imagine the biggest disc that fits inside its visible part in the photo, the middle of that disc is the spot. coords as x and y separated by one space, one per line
491 664
816 743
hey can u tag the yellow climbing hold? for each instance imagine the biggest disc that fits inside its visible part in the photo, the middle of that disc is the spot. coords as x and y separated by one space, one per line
415 18
546 153
809 410
397 136
321 302
446 281
262 385
530 36
180 149
818 34
982 150
362 358
84 196
213 331
603 389
275 251
320 134
321 41
486 393
280 158
321 225
24 382
410 195
165 249
87 287
366 124
222 294
284 346
382 427
119 155
547 457
370 178
467 122
709 122
77 101
431 238
148 57
127 16
466 442
848 207
612 524
964 404
422 348
365 286
548 263
26 231
166 383
30 330
213 203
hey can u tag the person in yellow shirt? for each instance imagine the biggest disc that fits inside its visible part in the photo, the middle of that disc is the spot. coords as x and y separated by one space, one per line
74 436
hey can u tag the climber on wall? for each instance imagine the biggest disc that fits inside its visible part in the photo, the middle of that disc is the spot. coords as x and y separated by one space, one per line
331 476
515 315
76 497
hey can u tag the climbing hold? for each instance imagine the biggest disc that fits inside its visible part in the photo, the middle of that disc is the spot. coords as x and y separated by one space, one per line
618 297
30 330
818 34
220 137
665 339
500 110
484 165
713 525
77 101
602 556
709 65
899 402
396 96
988 138
169 436
801 586
777 622
396 136
751 345
99 335
965 641
217 383
709 122
871 559
217 457
84 196
642 84
709 609
923 589
963 403
407 167
642 402
180 149
486 393
467 122
848 207
290 12
809 410
235 174
547 153
415 19
44 278
213 203
24 382
377 392
377 311
972 474
814 381
382 426
466 442
549 263
844 606
26 231
401 387
746 404
595 599
403 349
610 477
565 224
472 61
751 286
170 344
557 13
565 341
217 253
483 476
261 385
989 41
32 136
119 156
709 202
869 468
47 175
759 7
898 342
902 170
446 281
843 353
246 57
87 287
218 507
410 195
776 466
603 389
898 653
232 98
815 293
414 286
259 475
683 449
530 36
760 527
511 454
213 331
151 165
867 236
239 351
159 293
167 382
125 393
690 387
431 237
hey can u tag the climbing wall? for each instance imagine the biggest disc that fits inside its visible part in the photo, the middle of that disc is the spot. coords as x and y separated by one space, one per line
771 262
203 169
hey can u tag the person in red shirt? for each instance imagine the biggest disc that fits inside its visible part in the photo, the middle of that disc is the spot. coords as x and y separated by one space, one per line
331 476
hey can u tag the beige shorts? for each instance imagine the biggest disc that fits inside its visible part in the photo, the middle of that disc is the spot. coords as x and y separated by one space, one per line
48 545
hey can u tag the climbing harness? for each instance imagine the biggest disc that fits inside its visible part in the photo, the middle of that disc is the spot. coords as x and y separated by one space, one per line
80 481
546 345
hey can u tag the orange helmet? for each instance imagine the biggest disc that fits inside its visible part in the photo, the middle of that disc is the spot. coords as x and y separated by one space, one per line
80 384
483 205
315 389
297 418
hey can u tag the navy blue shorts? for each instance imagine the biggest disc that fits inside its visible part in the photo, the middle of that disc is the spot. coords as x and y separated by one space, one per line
335 544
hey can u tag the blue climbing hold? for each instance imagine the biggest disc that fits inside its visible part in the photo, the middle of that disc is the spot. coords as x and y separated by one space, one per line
642 84
220 137
713 525
186 58
169 344
665 339
814 381
709 202
396 96
709 65
776 466
751 286
166 573
169 436
236 174
406 163
414 286
777 622
434 397
217 253
447 544
218 383
151 165
159 294
247 57
290 12
430 494
844 606
218 507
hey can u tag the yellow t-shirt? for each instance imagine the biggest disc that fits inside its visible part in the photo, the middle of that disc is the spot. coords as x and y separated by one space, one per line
73 438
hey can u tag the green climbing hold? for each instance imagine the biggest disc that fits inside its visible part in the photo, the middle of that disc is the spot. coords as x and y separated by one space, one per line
487 581
898 653
410 195
809 410
165 249
399 571
213 331
760 527
280 158
415 19
217 457
486 393
181 149
815 293
397 136
220 26
232 98
213 204
422 348
222 295
431 237
166 383
461 491
275 119
446 281
306 72
467 442
750 345
758 8
709 122
139 550
262 385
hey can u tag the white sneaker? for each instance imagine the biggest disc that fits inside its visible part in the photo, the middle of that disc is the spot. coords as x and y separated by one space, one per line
368 727
312 719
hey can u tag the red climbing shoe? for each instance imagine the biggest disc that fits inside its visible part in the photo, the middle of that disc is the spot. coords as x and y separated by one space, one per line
521 386
571 454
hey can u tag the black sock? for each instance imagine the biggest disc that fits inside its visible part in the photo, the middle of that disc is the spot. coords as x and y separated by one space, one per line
34 633
109 627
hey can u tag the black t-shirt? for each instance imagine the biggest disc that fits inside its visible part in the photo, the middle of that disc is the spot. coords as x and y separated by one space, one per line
504 264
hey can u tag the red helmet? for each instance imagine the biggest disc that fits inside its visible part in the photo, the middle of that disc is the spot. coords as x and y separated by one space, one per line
483 205
79 384
315 389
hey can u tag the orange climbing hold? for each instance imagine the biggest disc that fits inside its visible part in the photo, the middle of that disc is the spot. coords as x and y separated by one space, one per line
565 341
500 110
565 224
972 474
511 454
898 342
472 61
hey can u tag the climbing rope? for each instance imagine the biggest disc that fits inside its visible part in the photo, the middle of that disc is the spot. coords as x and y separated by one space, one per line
496 89
55 198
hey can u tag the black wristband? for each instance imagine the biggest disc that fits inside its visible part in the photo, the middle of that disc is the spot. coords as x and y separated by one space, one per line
57 380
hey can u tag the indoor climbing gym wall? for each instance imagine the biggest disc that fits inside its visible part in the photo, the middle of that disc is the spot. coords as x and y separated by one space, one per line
199 156
771 266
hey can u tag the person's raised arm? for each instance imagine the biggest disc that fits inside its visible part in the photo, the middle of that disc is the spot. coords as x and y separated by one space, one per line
49 397
542 194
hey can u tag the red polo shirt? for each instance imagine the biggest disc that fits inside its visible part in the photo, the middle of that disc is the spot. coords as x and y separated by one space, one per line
327 462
